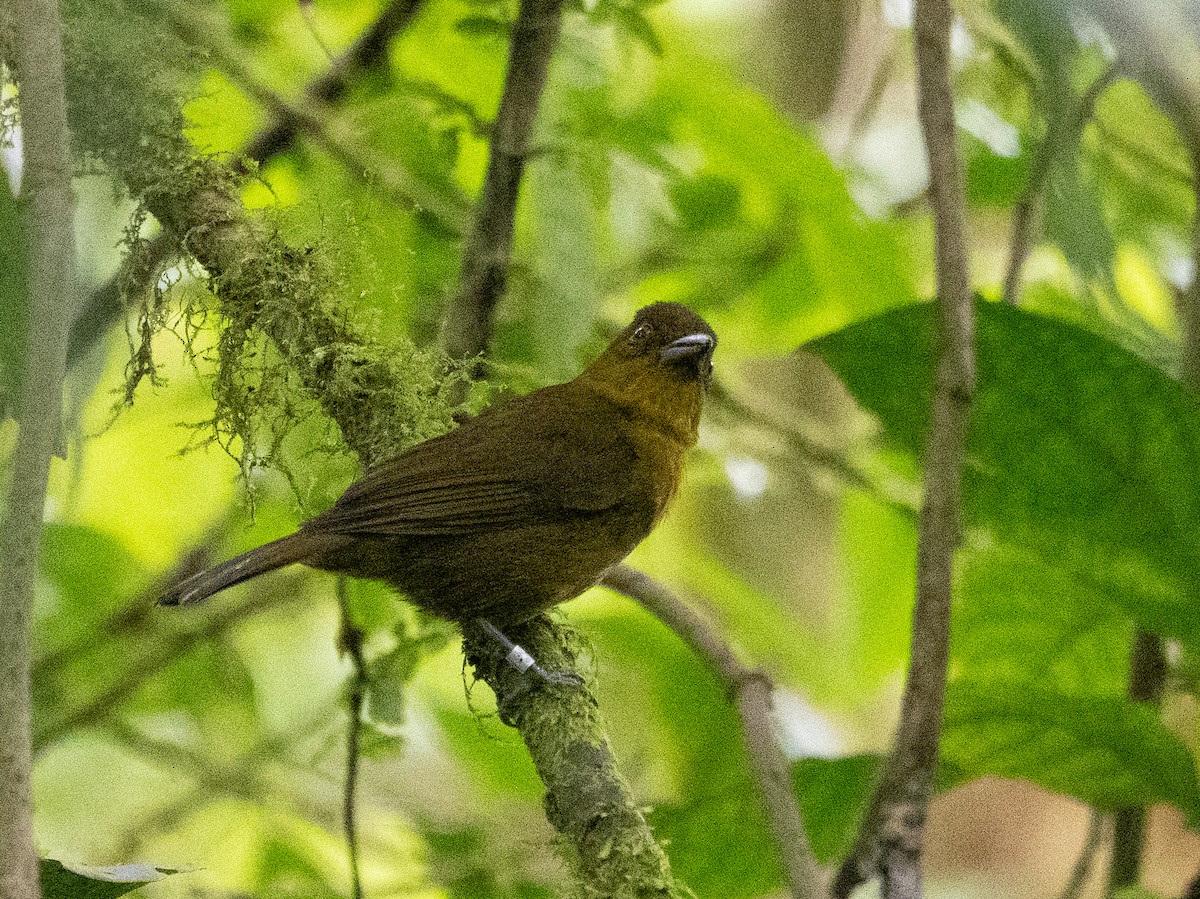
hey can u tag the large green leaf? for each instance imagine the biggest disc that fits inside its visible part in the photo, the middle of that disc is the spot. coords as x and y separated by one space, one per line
833 796
1080 453
1020 618
1079 492
1108 751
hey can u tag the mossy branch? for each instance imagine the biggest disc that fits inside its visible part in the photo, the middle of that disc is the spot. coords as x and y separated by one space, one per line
381 400
606 838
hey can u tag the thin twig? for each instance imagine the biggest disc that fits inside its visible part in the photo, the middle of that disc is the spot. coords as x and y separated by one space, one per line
103 307
161 654
131 616
350 640
367 52
486 257
1062 132
889 844
751 692
1082 869
449 212
1147 681
48 193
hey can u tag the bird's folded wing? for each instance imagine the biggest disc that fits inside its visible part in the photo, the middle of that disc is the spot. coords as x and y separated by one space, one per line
491 472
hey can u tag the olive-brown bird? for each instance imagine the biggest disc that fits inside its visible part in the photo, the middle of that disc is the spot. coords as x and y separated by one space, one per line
524 506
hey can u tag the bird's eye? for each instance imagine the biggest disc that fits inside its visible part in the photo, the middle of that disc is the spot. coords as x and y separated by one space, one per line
639 335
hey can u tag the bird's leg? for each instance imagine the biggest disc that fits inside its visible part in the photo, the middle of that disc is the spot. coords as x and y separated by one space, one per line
522 661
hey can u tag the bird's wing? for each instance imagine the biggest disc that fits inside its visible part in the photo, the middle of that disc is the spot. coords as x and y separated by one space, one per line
535 458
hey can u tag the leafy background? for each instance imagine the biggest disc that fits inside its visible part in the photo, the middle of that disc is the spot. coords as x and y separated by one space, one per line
687 157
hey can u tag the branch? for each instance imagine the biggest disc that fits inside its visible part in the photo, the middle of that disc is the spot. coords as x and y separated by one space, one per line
1062 132
405 187
608 843
488 250
381 401
369 51
751 691
351 642
1147 681
889 843
48 193
103 307
1082 868
159 656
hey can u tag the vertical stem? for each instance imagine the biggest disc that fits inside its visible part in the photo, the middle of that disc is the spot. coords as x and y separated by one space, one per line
351 639
488 249
50 205
890 842
1147 681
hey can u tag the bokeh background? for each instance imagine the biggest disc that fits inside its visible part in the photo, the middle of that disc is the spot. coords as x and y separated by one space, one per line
759 161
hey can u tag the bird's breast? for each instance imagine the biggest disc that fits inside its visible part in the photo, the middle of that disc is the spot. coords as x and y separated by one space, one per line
660 458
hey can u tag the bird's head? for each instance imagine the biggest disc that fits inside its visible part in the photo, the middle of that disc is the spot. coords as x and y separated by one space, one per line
659 366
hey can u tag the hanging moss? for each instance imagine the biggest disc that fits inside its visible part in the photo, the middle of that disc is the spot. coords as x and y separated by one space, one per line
286 344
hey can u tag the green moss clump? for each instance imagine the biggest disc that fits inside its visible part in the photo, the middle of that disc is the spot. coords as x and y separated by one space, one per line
286 347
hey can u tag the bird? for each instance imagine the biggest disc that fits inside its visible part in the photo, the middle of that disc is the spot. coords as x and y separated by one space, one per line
523 506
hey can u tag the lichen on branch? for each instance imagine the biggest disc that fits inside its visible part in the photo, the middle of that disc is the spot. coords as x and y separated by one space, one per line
286 342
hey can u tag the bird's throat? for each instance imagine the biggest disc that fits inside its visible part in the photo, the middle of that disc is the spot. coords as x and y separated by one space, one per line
656 397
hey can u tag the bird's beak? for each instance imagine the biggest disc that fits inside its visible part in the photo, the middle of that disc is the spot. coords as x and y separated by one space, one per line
686 347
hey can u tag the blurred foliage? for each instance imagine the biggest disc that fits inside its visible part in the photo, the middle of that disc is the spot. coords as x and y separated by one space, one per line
213 739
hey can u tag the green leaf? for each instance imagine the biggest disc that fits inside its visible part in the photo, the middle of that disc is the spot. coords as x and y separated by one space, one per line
833 795
1074 220
1080 453
634 21
1046 31
706 201
1020 618
482 26
85 882
1106 751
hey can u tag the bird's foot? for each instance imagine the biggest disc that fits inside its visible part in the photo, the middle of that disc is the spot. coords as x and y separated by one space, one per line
522 661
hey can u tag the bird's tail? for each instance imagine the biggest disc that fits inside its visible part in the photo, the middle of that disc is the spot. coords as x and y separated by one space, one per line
278 553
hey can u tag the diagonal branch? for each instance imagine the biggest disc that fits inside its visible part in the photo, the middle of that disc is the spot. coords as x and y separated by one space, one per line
1062 133
405 187
889 844
486 257
369 51
103 308
382 400
38 59
607 841
751 692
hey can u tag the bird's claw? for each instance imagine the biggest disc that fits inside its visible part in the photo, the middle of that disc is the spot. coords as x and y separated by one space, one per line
518 658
